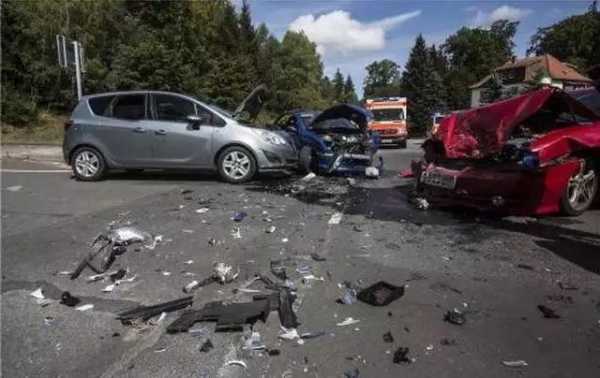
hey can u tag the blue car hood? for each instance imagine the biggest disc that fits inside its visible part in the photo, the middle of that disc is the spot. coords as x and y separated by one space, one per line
354 113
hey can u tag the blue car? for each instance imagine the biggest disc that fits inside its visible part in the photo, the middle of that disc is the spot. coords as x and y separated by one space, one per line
335 141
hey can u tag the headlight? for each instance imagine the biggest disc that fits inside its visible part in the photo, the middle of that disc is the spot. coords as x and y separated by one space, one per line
271 138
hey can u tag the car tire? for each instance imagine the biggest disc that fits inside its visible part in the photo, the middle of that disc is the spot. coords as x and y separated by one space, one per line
88 164
236 165
580 191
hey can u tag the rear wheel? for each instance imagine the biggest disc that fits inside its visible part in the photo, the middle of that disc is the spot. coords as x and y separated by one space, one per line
88 164
236 165
580 191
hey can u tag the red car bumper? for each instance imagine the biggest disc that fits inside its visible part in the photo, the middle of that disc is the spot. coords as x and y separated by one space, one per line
502 189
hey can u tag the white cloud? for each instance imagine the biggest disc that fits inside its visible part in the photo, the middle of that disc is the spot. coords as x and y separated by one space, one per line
338 33
504 12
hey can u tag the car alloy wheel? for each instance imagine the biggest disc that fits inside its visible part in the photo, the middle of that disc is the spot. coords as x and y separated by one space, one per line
237 165
87 164
581 190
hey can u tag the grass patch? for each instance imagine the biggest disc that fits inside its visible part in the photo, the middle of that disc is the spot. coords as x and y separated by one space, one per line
48 130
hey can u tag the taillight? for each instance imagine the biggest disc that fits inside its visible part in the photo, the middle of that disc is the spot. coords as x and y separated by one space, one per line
68 125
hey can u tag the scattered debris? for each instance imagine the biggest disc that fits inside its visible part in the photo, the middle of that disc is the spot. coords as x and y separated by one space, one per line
14 188
447 342
348 321
308 177
380 294
202 210
312 335
188 262
37 294
85 307
566 286
273 352
212 242
147 312
284 240
191 287
455 317
239 216
206 346
352 373
387 337
109 288
118 275
401 356
421 203
270 229
525 266
548 312
515 363
429 347
224 273
336 218
372 172
235 233
68 300
316 257
254 342
236 362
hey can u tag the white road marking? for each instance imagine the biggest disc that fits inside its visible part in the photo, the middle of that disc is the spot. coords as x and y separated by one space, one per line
35 170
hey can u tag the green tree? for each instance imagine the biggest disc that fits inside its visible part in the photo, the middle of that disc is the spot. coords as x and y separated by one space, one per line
575 39
338 86
472 54
350 96
383 79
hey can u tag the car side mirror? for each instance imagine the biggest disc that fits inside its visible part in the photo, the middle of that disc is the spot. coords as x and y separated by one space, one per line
196 121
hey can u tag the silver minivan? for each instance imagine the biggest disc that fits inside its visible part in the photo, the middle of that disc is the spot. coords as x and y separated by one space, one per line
137 130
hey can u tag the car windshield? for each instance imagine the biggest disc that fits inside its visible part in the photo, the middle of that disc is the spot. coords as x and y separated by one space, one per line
220 110
388 114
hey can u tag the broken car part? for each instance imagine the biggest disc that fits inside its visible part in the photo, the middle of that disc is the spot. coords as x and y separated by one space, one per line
380 294
147 312
548 312
515 363
68 300
401 356
455 317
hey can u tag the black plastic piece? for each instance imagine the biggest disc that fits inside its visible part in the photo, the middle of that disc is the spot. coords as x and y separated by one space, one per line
146 312
380 294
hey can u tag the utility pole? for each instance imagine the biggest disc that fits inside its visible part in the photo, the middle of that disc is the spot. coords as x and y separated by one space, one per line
77 69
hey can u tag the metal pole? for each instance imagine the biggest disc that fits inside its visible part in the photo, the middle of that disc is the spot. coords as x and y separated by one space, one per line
77 69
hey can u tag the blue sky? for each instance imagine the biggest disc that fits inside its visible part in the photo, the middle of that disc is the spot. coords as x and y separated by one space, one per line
352 34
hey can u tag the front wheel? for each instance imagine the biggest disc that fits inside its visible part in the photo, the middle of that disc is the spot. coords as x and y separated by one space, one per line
236 165
88 164
581 189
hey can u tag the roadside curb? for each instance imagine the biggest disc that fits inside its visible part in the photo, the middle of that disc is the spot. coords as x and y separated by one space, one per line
32 151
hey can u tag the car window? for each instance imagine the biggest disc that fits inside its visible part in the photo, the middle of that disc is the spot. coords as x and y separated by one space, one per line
131 106
173 108
213 119
388 114
99 105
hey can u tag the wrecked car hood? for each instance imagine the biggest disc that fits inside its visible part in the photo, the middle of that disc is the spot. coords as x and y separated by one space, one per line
481 132
354 113
252 104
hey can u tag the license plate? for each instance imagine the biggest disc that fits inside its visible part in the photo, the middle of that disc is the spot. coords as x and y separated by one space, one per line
435 178
384 141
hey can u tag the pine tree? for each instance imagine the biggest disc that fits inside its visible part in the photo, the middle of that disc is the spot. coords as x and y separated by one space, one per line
350 96
338 86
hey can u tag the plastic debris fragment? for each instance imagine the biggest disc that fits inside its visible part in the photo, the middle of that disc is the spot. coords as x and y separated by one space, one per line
401 356
236 233
270 229
372 172
68 300
455 317
380 294
85 307
206 346
254 342
37 293
239 216
336 218
387 337
316 257
421 203
109 288
515 363
548 312
348 321
202 210
191 286
308 177
236 362
224 273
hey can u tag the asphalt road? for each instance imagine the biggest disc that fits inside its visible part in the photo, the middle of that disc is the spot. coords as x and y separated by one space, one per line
496 271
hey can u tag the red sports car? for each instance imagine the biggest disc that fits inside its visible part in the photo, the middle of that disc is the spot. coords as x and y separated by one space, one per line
538 153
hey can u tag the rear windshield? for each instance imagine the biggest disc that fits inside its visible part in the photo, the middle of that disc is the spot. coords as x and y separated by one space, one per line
388 114
100 105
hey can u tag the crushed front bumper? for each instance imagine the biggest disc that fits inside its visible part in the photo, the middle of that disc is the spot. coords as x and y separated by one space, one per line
501 189
344 164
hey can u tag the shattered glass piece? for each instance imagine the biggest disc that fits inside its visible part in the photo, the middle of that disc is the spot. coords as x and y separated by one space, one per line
254 342
380 294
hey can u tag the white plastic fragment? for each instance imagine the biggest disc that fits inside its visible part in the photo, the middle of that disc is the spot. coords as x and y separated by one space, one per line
421 203
225 273
165 273
236 362
128 235
284 240
190 287
202 210
64 273
157 239
336 218
236 233
309 177
348 321
130 279
109 288
85 307
14 188
37 293
189 262
270 229
515 363
372 172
